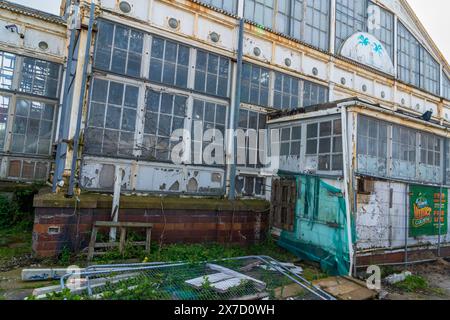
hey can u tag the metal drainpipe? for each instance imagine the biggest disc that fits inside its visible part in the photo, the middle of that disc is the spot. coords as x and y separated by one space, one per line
76 137
234 115
59 163
347 187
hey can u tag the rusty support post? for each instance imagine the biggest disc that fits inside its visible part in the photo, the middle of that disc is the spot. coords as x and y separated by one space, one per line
234 113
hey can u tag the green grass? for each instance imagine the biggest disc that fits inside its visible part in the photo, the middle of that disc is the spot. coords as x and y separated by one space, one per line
14 242
413 283
311 274
198 252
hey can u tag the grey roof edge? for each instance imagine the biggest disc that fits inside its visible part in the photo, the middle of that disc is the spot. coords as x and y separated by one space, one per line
21 9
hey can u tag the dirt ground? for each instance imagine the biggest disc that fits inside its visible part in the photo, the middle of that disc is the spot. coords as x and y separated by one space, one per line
437 275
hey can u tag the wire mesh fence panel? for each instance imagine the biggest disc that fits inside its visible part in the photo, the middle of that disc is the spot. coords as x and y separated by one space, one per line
247 278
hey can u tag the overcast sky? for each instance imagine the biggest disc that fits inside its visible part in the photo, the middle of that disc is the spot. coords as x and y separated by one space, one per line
434 14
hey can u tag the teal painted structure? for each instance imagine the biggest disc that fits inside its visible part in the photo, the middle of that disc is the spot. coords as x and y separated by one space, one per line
320 226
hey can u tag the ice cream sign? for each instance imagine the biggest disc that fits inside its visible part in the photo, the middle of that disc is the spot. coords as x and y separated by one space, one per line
428 211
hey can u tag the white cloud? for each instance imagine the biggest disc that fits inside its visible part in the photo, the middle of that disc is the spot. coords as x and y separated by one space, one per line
50 6
434 16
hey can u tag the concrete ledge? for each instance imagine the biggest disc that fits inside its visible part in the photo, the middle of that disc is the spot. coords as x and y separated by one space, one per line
102 201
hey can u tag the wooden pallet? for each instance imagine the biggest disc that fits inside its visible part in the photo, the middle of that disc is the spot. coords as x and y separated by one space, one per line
123 227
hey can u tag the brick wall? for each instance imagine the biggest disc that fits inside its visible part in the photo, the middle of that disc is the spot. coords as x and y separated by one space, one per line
59 224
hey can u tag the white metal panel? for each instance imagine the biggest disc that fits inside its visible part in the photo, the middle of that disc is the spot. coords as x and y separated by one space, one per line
250 43
310 64
283 53
161 13
381 89
227 35
361 82
340 74
33 37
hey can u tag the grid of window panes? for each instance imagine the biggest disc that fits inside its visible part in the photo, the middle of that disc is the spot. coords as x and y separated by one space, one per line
404 144
430 73
446 87
260 12
416 66
317 23
169 62
119 49
307 21
350 17
164 113
39 77
408 57
4 108
372 144
212 73
207 116
286 92
32 121
290 141
227 5
7 64
314 94
251 122
247 185
383 29
415 155
324 140
430 150
255 85
112 119
32 127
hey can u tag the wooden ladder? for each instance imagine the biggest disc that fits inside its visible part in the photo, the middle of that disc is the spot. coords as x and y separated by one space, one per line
123 226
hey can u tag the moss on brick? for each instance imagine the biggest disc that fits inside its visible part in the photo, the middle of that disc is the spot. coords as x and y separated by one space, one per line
91 200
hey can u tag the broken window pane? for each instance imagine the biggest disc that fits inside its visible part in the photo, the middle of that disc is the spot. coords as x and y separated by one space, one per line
40 77
164 113
7 65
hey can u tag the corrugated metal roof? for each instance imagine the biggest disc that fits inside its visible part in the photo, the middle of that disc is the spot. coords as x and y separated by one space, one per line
17 8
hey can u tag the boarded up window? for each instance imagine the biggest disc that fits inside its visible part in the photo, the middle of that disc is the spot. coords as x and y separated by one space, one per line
284 197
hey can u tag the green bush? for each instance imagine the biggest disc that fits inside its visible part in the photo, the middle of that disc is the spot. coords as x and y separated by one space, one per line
19 211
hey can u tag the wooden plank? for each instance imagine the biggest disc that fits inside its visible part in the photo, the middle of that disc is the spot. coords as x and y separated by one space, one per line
148 240
111 224
345 288
123 235
106 245
92 243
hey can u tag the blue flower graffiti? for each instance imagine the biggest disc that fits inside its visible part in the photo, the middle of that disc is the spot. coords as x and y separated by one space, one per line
363 40
378 48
